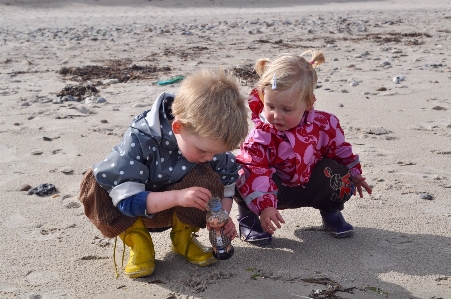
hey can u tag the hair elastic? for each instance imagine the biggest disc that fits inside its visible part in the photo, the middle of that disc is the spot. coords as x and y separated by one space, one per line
312 62
274 82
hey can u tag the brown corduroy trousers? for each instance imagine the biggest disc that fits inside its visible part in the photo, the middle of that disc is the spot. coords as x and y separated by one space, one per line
111 222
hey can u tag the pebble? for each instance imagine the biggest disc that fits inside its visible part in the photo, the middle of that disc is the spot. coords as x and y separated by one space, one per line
426 196
399 78
377 131
384 63
24 187
110 81
43 189
37 151
140 105
66 170
70 98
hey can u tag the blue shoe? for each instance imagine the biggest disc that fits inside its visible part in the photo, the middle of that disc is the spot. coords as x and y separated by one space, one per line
250 228
334 222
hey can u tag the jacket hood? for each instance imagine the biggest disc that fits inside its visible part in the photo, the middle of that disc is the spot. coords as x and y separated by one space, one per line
148 122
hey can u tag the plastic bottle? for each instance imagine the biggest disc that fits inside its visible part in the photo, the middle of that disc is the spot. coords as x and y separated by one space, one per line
217 217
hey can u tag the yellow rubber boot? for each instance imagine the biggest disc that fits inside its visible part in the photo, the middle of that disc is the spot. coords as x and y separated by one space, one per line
142 254
185 244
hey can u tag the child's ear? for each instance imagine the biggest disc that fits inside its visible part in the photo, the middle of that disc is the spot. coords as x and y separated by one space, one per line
176 126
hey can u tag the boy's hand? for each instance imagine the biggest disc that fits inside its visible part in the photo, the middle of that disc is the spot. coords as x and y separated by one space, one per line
194 197
359 182
270 218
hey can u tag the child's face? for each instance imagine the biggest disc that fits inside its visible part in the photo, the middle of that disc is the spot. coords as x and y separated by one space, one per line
282 108
195 148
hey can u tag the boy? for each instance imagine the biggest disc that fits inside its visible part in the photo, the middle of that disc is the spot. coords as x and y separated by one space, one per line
171 161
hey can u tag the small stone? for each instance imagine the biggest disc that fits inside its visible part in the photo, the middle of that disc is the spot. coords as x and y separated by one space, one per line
101 100
426 196
140 105
382 88
104 121
43 189
110 81
377 131
66 170
24 187
57 101
384 63
37 151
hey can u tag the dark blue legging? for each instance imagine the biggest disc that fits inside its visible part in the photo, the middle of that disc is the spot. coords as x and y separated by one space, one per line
330 186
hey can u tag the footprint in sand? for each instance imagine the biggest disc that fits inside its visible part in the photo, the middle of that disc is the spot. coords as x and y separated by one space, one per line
28 230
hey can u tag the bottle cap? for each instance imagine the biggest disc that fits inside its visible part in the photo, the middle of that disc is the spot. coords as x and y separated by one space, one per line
215 204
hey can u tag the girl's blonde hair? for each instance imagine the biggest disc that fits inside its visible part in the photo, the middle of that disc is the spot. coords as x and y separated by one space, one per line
209 104
290 72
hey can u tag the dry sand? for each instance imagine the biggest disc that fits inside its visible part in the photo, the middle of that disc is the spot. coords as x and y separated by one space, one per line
402 242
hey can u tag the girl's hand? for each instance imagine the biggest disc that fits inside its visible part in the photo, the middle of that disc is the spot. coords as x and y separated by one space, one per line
194 197
359 182
270 218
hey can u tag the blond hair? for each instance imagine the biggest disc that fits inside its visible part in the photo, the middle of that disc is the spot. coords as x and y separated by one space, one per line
291 72
210 104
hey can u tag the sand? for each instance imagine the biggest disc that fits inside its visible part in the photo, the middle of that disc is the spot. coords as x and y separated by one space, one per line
402 132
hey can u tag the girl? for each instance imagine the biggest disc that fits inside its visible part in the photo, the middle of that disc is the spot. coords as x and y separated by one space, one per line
295 156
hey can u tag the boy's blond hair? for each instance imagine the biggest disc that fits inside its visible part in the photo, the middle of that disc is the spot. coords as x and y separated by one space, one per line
210 104
291 72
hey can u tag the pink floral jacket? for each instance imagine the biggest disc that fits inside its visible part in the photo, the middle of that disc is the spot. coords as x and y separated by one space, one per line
290 154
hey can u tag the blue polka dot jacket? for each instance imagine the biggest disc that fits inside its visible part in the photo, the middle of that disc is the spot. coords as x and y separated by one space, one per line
148 158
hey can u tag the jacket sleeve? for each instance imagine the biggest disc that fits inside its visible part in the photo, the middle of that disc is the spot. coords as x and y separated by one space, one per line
226 166
255 184
340 150
124 172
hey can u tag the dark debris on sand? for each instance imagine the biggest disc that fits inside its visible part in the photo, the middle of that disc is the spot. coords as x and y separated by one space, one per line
121 70
332 288
77 91
410 39
247 75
